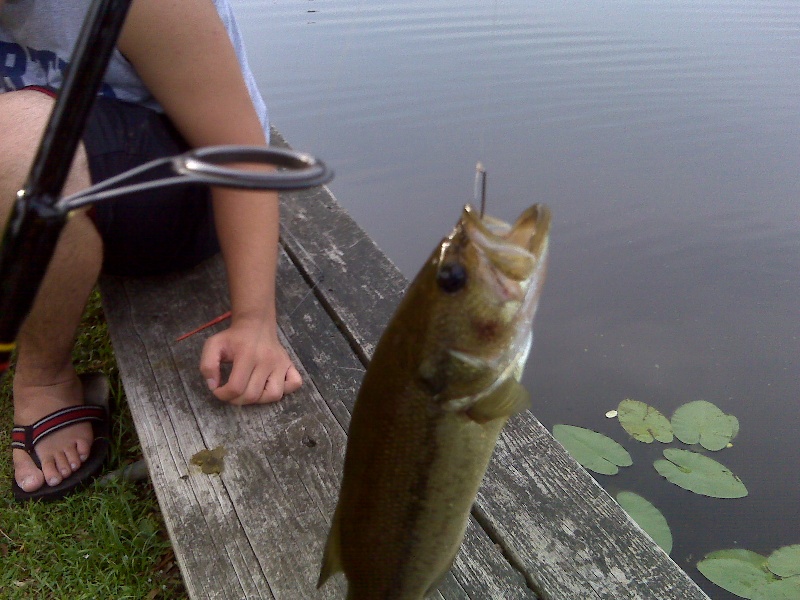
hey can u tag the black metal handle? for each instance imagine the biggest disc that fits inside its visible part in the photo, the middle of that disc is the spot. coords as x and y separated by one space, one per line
36 221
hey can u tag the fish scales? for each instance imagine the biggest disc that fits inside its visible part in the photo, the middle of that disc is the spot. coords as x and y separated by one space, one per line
441 385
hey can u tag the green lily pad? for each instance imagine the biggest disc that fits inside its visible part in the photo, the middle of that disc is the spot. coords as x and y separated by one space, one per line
782 589
593 450
704 423
785 561
740 572
699 474
648 517
644 422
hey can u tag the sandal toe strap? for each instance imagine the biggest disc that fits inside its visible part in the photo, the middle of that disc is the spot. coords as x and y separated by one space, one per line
25 437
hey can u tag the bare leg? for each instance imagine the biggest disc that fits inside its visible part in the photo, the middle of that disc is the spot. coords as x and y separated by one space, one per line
45 379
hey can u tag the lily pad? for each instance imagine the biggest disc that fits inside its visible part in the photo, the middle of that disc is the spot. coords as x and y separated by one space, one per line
699 474
704 423
785 561
644 422
740 572
593 450
782 589
648 517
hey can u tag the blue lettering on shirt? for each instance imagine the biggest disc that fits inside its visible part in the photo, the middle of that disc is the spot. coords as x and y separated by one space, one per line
42 67
13 63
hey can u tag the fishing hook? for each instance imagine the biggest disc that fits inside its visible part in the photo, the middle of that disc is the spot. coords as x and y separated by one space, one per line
480 187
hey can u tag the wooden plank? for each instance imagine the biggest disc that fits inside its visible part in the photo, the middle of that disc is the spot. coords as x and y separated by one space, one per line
555 547
481 571
257 531
570 537
360 286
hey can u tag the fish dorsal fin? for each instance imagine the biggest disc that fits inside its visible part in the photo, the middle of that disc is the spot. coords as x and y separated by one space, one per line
509 398
332 559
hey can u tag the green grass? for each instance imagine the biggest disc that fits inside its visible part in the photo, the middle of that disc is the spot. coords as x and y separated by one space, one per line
104 542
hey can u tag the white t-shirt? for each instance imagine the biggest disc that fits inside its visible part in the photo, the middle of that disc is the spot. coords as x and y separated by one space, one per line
37 38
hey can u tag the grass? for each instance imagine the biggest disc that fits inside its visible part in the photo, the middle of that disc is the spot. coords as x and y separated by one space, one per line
104 542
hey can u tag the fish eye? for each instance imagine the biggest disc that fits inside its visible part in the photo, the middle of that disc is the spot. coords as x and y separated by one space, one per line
451 277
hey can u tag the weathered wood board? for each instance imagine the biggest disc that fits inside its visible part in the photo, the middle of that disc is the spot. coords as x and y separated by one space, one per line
258 529
567 536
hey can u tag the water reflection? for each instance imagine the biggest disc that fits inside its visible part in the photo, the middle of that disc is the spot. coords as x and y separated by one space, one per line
666 138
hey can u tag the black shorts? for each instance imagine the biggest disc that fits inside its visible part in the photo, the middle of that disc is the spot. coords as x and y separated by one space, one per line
150 232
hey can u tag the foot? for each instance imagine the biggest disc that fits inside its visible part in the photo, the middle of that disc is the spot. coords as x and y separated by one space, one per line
61 453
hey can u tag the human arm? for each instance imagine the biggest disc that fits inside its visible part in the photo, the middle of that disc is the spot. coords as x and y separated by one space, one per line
182 52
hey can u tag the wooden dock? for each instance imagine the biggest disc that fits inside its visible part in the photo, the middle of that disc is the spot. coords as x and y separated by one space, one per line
541 526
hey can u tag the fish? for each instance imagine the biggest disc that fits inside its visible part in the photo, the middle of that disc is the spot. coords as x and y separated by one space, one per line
443 381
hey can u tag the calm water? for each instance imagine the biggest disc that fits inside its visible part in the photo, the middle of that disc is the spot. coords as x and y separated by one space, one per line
666 138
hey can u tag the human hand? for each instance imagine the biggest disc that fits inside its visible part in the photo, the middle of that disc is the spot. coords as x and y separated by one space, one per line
262 370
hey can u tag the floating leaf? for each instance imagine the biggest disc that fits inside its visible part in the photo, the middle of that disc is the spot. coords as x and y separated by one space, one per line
593 450
699 474
741 572
785 561
782 589
644 422
648 517
703 422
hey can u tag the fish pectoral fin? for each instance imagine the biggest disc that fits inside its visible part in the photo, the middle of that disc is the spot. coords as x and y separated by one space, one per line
331 559
509 398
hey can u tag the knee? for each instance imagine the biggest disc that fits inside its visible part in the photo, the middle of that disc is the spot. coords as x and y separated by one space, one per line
23 117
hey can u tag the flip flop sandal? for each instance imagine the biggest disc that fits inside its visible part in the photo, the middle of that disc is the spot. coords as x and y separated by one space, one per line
96 411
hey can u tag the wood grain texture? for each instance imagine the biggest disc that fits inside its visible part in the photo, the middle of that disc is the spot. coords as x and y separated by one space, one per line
258 529
570 537
481 571
575 542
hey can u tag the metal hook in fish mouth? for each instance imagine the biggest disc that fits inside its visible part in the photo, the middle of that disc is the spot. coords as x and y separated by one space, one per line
480 188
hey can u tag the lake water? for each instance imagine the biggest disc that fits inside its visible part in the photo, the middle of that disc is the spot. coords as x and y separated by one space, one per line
665 136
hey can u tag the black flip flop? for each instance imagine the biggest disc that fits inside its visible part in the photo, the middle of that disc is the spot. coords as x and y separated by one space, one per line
95 410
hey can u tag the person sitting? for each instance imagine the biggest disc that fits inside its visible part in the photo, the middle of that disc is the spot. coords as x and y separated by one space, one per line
179 79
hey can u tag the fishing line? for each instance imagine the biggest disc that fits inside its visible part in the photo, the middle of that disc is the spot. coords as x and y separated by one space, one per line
479 193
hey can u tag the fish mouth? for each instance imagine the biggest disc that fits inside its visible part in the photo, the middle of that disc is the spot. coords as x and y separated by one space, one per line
515 249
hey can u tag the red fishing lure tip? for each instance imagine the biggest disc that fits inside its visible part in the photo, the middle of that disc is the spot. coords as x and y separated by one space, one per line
219 319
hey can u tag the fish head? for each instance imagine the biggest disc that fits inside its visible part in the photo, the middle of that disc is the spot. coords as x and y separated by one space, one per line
481 287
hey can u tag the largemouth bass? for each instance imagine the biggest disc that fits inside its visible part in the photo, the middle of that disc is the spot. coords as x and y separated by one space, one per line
442 382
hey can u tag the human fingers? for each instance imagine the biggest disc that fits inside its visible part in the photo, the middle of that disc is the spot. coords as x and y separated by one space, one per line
293 380
210 359
278 386
266 386
274 388
239 388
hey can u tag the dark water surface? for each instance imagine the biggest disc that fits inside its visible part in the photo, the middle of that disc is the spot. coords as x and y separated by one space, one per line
664 135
